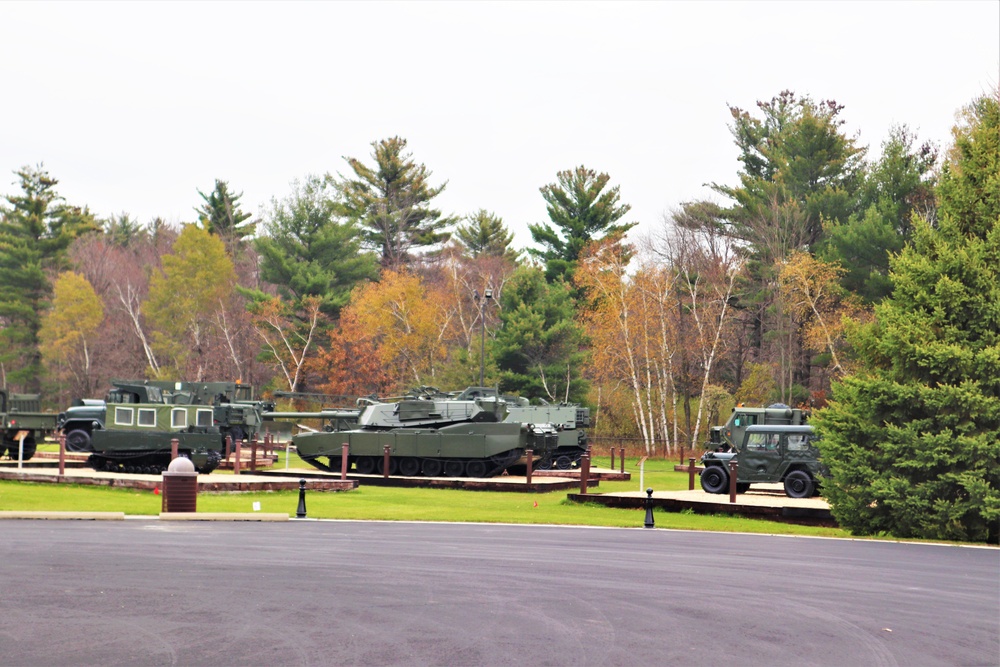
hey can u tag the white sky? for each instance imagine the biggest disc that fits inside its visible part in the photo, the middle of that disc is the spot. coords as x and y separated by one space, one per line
134 106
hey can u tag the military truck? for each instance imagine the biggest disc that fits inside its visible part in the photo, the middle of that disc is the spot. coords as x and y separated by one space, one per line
23 418
768 453
724 438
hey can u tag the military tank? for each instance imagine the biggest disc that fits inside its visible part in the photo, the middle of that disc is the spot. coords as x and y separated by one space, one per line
568 419
453 437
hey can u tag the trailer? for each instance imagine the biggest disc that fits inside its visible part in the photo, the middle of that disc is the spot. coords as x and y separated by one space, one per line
24 424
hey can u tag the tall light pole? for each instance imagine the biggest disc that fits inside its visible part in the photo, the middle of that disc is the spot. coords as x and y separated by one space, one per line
487 294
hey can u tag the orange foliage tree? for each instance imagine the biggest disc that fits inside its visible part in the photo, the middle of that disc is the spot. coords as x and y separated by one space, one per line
409 324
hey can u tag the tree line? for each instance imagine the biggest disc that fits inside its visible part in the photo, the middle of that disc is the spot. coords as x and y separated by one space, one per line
794 286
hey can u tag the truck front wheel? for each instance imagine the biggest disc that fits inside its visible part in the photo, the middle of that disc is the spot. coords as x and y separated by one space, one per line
78 440
714 479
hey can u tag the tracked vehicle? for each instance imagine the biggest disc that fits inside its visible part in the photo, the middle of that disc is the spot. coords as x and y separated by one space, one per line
465 437
568 419
235 412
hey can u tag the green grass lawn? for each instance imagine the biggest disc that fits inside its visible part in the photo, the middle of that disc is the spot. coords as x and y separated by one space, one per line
404 504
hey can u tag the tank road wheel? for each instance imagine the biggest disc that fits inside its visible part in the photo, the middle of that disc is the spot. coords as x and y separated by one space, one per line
78 440
714 479
454 468
380 465
476 468
564 462
409 466
798 484
432 468
365 465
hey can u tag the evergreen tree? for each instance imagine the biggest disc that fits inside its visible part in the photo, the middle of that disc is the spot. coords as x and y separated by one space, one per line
894 189
485 234
34 234
306 250
581 210
220 214
914 441
538 350
390 203
795 155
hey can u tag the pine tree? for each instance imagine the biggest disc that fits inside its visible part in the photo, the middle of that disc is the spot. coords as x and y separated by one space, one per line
581 211
485 234
390 202
220 214
34 235
913 442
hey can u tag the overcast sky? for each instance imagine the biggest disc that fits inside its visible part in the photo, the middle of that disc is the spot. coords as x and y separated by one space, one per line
134 106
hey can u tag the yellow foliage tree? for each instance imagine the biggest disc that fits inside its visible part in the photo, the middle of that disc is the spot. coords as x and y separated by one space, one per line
812 292
411 325
197 281
66 331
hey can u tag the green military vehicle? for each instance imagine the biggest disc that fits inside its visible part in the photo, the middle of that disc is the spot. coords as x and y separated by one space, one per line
724 438
234 410
772 453
454 437
568 419
24 424
136 437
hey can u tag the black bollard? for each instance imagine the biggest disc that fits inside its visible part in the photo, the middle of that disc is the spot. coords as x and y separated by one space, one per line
649 510
300 513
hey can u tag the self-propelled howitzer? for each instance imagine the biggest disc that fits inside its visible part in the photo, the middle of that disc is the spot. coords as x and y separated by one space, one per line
431 437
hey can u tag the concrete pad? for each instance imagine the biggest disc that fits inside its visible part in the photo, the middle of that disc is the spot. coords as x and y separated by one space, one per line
222 516
82 516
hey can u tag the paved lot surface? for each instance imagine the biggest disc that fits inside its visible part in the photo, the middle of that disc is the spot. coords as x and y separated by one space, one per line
146 592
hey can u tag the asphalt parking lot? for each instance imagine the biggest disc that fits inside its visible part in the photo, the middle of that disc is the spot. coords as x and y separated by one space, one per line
310 592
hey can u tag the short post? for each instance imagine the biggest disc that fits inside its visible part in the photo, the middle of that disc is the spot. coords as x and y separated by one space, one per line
300 513
229 445
62 454
621 455
385 461
529 455
648 523
174 446
344 449
732 481
253 453
238 455
691 472
612 458
584 473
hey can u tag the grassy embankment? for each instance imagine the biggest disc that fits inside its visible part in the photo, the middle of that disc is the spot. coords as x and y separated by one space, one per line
398 504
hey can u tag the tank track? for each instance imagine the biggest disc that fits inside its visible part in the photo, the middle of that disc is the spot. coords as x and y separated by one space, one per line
427 467
145 463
